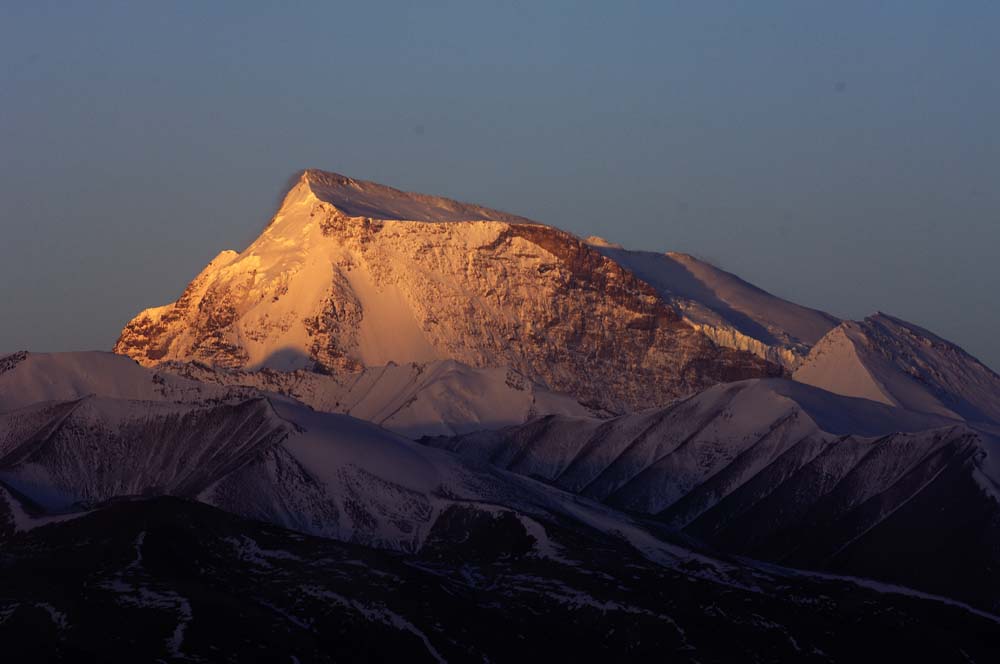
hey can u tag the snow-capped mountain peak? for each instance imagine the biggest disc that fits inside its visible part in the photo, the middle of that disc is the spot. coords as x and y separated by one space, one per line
351 274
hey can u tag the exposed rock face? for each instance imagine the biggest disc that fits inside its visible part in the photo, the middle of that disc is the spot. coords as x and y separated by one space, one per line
328 289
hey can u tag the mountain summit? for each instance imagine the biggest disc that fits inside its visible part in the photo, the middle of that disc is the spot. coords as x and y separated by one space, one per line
361 198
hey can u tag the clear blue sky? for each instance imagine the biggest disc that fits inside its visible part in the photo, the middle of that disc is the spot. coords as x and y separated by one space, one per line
845 155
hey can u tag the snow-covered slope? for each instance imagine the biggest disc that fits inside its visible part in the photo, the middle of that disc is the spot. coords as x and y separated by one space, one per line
96 448
275 461
897 363
80 428
647 461
30 378
340 282
264 457
779 470
731 311
414 400
773 468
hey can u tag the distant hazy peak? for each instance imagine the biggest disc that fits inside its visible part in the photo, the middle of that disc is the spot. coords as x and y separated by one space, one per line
361 198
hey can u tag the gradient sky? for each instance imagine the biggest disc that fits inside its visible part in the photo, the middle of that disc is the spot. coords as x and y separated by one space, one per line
845 155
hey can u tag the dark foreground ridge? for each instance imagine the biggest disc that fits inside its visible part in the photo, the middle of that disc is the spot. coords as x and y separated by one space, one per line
168 579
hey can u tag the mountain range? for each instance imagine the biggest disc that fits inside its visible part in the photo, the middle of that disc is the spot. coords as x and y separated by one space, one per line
396 421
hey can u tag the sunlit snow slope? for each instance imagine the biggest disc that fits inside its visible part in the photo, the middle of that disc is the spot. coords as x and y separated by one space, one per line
894 362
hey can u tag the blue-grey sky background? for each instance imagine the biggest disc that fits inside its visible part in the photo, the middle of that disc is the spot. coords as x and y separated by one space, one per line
845 155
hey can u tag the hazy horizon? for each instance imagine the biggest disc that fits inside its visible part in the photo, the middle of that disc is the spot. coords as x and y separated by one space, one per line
845 158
